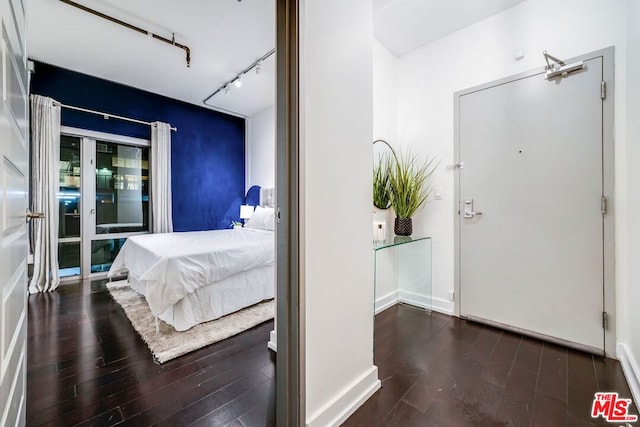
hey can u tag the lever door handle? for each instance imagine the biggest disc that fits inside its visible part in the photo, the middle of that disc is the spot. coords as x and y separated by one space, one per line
468 209
471 214
33 215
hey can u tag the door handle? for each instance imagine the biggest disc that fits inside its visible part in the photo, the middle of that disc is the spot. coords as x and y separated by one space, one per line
470 214
33 215
468 209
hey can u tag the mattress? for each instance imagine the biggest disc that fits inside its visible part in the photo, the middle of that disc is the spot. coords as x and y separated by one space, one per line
221 298
192 277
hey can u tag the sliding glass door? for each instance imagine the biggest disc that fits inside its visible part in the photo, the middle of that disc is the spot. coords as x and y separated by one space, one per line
107 197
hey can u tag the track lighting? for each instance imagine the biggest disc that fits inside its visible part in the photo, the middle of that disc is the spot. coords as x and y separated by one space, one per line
237 80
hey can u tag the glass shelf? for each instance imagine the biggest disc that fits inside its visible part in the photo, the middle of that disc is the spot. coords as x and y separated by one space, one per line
397 241
402 268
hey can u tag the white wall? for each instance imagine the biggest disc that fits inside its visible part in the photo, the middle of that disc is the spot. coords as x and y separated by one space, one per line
385 125
385 93
261 149
628 244
429 76
336 264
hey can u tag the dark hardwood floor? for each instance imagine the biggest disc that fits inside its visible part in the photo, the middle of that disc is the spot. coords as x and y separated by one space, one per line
86 365
438 370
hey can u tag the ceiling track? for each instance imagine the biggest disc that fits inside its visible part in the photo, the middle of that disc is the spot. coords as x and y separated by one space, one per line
171 41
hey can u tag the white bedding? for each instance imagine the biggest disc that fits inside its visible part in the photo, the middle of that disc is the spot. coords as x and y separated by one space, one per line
172 267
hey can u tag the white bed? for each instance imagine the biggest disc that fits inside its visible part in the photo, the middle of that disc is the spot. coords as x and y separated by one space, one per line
193 277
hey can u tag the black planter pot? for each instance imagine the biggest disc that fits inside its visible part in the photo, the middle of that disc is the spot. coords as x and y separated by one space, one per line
403 227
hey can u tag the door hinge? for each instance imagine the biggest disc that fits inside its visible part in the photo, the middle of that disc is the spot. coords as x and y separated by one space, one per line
603 205
605 320
603 89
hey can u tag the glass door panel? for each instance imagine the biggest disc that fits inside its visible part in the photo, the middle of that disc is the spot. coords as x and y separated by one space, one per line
103 252
69 258
122 188
69 205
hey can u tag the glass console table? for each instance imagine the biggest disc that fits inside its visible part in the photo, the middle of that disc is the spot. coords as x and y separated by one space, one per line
402 272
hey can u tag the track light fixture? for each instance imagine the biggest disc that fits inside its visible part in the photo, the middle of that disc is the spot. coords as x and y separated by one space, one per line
237 79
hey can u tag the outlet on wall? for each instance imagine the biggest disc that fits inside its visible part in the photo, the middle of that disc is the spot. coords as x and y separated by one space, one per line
452 296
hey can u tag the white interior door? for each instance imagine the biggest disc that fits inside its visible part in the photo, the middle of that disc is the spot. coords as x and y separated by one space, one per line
13 205
532 256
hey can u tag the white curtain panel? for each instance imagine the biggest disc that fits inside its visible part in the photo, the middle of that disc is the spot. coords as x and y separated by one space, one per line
45 153
161 177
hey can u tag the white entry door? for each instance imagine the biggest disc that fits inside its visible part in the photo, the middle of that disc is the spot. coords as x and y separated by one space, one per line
13 205
531 223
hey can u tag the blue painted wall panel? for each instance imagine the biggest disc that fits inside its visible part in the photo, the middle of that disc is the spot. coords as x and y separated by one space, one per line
208 150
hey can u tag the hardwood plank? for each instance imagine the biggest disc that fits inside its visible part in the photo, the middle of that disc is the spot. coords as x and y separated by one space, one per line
88 366
474 375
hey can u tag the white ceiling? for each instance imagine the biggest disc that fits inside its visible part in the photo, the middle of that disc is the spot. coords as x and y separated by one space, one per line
405 25
225 36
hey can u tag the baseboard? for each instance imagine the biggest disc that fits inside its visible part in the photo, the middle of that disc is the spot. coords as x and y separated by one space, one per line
386 301
442 306
436 304
345 403
416 300
273 341
631 370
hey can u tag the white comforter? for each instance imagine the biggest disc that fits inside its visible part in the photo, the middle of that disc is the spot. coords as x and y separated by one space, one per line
167 267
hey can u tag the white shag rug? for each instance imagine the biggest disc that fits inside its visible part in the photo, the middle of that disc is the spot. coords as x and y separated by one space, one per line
167 343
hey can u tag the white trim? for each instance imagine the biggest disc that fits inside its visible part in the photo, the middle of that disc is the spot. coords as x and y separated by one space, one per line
273 341
14 281
104 136
346 402
436 304
19 371
631 370
247 157
414 299
386 301
442 306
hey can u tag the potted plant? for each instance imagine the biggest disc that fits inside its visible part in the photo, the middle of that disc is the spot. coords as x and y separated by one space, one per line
409 188
381 184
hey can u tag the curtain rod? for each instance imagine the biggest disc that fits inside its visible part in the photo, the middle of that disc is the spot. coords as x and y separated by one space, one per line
107 115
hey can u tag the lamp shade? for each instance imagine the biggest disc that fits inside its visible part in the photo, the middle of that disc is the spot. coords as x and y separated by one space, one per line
246 211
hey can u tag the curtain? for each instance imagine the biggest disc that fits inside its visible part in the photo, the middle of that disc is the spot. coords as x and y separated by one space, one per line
45 153
161 177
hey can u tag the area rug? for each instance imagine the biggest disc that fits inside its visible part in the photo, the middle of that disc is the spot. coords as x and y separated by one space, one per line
166 343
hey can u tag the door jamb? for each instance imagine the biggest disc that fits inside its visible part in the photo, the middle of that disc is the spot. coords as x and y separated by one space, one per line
289 361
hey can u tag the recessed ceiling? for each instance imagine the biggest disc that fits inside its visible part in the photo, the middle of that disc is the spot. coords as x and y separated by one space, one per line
405 25
225 36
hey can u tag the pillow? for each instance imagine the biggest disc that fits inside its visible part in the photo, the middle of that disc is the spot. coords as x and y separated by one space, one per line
263 218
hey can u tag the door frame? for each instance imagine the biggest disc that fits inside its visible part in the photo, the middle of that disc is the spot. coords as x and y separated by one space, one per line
290 386
608 168
88 140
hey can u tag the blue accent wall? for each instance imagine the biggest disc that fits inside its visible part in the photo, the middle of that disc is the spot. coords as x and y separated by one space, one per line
207 151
